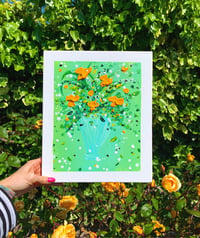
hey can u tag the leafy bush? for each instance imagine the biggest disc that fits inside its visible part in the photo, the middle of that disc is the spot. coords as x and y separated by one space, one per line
171 30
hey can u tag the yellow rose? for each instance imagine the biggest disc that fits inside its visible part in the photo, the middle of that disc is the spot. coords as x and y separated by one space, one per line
34 236
19 206
153 183
171 183
198 189
190 157
64 231
111 186
158 228
68 202
138 230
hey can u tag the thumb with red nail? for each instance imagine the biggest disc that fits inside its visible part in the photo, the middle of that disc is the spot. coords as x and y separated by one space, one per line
27 177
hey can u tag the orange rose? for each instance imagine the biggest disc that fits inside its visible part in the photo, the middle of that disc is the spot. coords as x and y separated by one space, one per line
64 231
83 72
19 206
111 186
171 183
190 157
93 234
34 236
158 228
138 230
68 202
153 183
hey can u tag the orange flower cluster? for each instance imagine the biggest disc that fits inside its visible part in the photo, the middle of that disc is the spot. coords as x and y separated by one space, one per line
93 105
113 187
64 231
190 157
83 72
68 202
138 230
158 228
105 80
171 183
71 99
91 93
126 90
116 101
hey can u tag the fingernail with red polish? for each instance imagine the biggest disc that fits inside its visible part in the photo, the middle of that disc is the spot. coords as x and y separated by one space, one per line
51 180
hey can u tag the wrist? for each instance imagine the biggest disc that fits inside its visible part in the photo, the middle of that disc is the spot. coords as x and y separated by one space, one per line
5 185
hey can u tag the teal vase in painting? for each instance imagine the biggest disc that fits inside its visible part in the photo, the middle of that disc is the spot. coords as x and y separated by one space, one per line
95 130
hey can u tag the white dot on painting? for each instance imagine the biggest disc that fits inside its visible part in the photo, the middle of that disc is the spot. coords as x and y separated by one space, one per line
58 118
89 168
69 168
132 146
65 161
116 152
98 159
106 169
59 161
79 147
118 75
70 75
89 150
129 160
57 140
65 148
76 65
59 84
62 166
110 71
129 167
119 159
136 165
136 135
97 166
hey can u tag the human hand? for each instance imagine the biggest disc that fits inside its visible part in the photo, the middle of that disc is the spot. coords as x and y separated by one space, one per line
26 178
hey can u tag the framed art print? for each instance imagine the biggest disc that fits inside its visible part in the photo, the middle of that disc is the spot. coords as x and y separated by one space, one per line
97 116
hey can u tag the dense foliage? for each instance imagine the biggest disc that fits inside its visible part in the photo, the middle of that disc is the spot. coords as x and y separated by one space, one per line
171 29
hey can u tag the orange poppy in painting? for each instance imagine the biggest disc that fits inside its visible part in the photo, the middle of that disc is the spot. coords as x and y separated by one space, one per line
91 92
93 105
83 72
105 80
124 69
71 99
116 101
126 90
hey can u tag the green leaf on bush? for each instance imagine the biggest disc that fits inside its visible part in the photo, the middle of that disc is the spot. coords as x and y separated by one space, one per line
147 229
113 225
180 204
146 210
118 216
3 157
193 212
13 161
155 203
3 133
